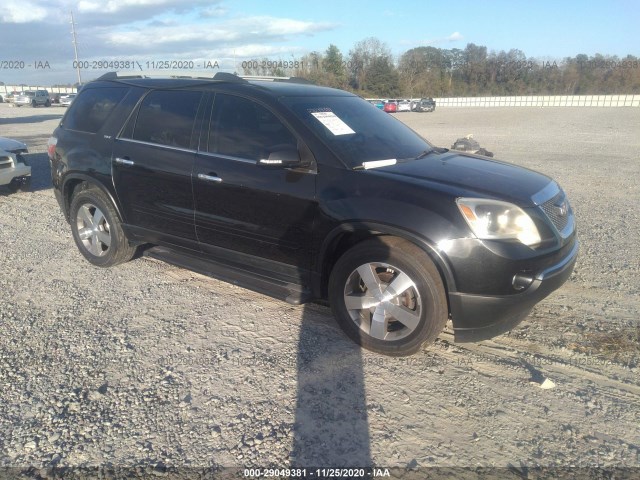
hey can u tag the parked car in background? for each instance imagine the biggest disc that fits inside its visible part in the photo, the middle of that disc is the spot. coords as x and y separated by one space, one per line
10 97
66 99
55 98
33 98
13 146
390 107
14 171
306 192
404 106
377 103
424 105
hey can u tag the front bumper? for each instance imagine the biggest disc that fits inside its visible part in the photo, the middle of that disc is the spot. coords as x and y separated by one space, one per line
19 171
478 317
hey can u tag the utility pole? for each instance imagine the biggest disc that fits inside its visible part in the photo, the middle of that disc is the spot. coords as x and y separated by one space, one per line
75 48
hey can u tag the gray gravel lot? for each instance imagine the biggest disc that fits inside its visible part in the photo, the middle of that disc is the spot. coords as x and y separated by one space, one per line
148 365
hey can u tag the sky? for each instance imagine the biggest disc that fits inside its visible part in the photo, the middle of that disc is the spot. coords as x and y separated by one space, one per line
36 43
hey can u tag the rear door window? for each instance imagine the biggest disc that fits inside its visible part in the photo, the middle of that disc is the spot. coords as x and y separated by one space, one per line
167 117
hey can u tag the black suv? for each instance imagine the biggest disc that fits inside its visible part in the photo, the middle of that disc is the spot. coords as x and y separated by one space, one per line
309 193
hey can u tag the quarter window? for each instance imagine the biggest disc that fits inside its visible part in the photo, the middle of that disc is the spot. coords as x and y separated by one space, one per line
167 117
92 108
242 128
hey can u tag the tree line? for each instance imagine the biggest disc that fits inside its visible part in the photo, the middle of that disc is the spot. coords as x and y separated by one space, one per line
371 70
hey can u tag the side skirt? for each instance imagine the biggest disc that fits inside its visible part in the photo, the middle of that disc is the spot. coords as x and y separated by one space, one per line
254 278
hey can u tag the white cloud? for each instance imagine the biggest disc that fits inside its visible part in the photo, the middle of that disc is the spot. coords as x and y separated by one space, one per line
233 31
215 11
454 37
258 50
13 11
113 6
143 31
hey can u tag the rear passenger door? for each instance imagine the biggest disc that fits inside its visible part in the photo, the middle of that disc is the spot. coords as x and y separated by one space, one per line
152 163
246 209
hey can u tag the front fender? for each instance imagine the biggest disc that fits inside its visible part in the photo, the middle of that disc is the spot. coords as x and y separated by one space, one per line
376 228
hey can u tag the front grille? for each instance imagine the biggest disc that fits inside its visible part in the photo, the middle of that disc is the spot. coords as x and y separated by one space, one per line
558 211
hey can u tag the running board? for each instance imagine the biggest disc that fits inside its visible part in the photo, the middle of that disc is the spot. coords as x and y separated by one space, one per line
258 281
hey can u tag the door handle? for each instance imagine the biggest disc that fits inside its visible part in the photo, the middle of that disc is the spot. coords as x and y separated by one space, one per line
124 161
209 178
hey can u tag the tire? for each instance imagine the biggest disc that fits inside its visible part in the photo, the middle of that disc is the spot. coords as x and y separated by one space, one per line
33 104
21 183
47 103
97 230
410 298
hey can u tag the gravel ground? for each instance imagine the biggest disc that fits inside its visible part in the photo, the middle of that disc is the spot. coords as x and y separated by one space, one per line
149 366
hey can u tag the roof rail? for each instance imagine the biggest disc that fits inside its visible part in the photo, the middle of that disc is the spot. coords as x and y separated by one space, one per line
277 79
150 74
229 77
219 76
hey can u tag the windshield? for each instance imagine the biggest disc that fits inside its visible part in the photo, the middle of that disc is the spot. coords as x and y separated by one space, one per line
355 130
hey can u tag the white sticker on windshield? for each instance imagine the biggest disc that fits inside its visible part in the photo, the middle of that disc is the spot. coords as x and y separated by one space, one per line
333 123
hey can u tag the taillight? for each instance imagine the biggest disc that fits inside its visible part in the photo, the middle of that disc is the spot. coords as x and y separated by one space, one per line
51 146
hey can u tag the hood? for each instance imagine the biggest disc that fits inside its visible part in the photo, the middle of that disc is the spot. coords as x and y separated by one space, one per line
11 145
463 174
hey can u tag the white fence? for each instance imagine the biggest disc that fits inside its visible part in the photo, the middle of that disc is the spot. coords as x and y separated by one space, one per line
518 101
542 101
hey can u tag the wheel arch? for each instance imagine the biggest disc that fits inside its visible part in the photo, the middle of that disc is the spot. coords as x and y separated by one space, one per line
71 183
345 236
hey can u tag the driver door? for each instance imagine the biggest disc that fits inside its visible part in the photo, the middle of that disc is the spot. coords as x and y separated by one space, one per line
242 208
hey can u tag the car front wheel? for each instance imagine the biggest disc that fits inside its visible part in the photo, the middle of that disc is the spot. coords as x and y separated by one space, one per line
388 296
97 230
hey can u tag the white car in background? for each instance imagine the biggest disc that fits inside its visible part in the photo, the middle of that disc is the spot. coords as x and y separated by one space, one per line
404 106
66 99
14 171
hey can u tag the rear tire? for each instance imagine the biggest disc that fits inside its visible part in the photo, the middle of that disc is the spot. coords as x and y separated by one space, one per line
97 230
388 296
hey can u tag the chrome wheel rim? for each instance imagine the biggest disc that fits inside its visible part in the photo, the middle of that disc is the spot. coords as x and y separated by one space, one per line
93 230
383 301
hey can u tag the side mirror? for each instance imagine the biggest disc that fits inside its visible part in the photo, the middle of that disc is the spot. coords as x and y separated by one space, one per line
281 158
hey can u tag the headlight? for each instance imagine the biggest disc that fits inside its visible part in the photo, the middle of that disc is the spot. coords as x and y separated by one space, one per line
493 219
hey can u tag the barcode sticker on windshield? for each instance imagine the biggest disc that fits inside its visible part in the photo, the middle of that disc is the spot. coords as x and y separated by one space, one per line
333 123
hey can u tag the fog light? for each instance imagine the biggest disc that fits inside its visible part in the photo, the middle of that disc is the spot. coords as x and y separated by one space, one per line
521 281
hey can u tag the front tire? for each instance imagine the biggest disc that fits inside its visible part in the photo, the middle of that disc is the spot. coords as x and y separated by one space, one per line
97 230
21 183
387 295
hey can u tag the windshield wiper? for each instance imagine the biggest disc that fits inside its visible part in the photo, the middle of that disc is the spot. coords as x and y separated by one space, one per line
430 151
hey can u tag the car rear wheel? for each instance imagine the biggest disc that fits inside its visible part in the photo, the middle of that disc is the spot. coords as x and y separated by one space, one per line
388 296
97 230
